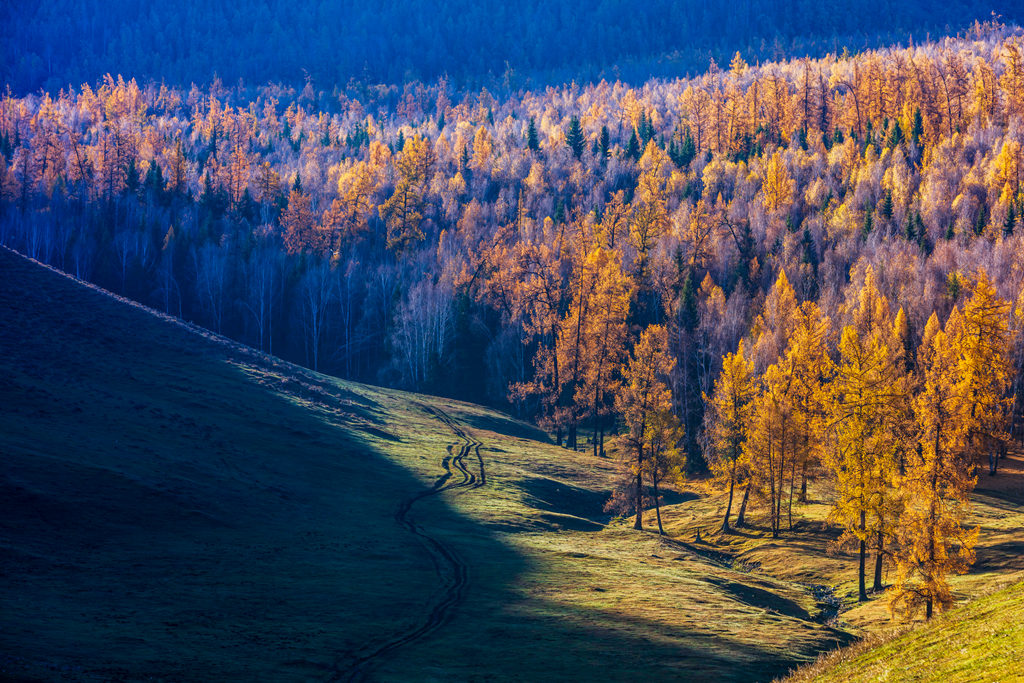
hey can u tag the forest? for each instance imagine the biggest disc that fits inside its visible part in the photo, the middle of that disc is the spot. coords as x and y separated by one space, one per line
775 272
50 44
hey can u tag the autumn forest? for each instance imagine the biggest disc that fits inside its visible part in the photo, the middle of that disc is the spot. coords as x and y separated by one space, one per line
766 276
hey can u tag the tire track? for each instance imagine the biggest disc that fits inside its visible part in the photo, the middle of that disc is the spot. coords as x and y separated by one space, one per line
451 571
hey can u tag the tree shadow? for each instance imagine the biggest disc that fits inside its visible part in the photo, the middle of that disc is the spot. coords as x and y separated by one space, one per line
504 425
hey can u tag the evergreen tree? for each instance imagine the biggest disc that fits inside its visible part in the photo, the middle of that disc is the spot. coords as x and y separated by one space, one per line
532 141
604 146
574 137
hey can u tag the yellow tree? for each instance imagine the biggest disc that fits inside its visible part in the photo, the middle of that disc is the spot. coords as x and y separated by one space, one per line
985 366
728 417
649 215
933 542
403 211
301 232
696 110
1008 173
787 415
604 336
527 284
777 188
614 219
1012 80
571 343
775 325
767 446
807 359
268 183
349 214
665 459
866 421
644 397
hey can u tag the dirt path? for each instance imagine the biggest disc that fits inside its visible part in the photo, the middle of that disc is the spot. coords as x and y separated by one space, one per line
451 571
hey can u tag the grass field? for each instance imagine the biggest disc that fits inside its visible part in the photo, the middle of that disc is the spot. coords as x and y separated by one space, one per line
174 506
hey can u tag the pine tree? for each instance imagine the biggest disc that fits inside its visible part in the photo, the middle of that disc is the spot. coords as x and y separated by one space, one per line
574 137
604 144
633 146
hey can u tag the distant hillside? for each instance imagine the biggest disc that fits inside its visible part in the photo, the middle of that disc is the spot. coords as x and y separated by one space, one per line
981 641
51 43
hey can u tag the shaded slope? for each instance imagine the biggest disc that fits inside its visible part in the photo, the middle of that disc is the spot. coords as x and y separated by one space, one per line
174 504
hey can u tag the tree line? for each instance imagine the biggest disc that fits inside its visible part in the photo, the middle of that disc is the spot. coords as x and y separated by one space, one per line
899 429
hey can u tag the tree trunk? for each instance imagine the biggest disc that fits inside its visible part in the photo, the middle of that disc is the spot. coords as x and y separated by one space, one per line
863 593
878 560
728 507
928 607
803 484
792 485
657 505
639 523
741 517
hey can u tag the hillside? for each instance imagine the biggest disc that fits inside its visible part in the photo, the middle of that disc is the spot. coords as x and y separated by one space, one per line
979 642
51 43
177 506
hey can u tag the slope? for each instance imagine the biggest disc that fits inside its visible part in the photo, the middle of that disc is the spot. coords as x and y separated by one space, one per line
982 641
177 506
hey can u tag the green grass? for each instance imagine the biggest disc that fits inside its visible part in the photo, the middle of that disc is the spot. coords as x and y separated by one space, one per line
174 506
982 641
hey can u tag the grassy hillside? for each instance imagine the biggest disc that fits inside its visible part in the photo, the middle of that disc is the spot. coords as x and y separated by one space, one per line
175 506
982 641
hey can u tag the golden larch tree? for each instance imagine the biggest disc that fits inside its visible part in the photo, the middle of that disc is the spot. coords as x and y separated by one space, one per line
643 402
933 542
727 419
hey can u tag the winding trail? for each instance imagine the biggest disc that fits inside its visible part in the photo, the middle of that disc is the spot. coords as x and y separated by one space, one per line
452 572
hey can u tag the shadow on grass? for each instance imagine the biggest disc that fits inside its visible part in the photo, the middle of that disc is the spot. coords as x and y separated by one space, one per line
1005 556
564 498
504 425
758 597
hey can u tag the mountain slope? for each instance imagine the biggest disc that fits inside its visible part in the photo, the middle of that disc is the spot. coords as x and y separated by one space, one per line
173 505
